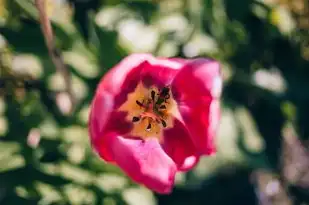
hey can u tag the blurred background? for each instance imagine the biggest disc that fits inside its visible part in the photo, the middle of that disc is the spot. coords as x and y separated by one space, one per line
263 45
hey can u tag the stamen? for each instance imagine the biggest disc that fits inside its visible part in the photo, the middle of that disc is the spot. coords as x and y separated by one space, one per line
135 119
148 127
163 96
163 123
153 110
139 103
153 93
166 98
164 92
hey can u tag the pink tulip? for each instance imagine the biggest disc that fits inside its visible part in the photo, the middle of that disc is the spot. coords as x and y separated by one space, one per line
154 116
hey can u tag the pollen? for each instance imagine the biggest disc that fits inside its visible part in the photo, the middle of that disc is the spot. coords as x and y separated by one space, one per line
150 110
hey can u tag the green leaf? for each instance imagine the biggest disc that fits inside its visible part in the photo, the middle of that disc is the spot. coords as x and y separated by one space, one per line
110 52
28 7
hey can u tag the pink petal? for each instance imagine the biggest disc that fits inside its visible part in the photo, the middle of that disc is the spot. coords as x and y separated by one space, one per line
104 120
101 108
124 77
125 71
198 101
179 146
145 162
183 61
160 71
116 125
111 92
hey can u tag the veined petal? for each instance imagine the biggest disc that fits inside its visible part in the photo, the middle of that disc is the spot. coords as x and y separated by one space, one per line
179 146
197 89
145 162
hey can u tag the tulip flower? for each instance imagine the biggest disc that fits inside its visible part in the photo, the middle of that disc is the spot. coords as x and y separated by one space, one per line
153 117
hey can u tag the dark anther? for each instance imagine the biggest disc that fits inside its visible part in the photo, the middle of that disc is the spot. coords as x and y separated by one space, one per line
139 103
163 96
163 123
153 93
166 98
148 127
165 91
162 107
135 119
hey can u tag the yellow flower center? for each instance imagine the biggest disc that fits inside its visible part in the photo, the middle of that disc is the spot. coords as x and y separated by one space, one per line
150 110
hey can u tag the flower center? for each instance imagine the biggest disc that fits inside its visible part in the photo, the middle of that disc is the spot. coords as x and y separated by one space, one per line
153 108
150 111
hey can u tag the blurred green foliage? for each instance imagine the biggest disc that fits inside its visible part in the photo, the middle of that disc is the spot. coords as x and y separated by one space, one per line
45 155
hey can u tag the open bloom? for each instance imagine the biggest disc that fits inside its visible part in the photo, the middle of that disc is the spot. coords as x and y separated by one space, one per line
155 116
